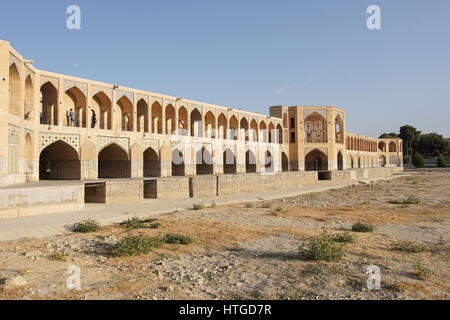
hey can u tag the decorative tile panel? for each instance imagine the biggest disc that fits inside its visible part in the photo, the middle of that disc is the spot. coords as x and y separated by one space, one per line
106 91
121 93
169 101
52 80
47 138
157 99
308 112
150 143
140 96
70 84
308 150
103 141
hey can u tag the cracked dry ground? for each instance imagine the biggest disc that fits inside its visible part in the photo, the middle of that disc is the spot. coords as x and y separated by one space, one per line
250 253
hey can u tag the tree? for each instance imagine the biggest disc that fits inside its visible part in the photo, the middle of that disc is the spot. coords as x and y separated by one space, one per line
410 135
440 162
430 144
417 160
391 135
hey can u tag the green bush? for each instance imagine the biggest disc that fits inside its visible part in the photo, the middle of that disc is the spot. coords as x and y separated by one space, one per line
86 226
61 257
134 223
420 271
267 205
411 200
132 246
417 160
177 239
155 225
198 206
249 205
345 237
408 246
440 162
321 247
362 227
279 209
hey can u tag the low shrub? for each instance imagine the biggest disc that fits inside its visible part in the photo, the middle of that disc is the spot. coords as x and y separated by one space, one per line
176 238
421 272
440 161
86 226
267 205
410 200
61 257
345 237
417 160
132 246
362 227
198 206
320 247
279 209
155 225
249 205
408 246
135 223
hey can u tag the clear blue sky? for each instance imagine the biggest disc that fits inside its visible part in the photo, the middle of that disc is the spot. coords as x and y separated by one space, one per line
252 54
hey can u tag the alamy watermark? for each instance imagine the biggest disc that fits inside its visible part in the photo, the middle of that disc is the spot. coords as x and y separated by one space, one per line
374 280
73 282
374 20
73 22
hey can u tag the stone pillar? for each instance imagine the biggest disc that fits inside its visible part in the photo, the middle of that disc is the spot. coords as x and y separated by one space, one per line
89 161
166 161
4 106
59 105
134 114
137 161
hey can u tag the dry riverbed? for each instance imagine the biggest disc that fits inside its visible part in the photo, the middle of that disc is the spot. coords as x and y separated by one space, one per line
250 251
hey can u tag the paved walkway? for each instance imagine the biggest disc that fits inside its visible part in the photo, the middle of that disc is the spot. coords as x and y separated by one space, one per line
53 224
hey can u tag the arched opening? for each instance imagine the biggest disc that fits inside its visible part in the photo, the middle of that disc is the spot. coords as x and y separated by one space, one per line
13 152
210 125
196 124
284 162
101 105
142 116
74 101
113 162
156 118
262 132
59 161
315 128
254 131
269 165
229 162
124 116
353 163
204 162
14 90
28 109
272 134
382 146
182 121
177 163
340 161
234 129
280 134
392 147
222 124
152 163
339 129
250 162
359 162
49 109
316 160
170 119
244 129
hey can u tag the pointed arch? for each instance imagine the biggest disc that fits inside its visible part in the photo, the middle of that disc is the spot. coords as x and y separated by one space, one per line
156 118
254 130
262 137
269 165
234 128
182 121
142 116
222 126
170 119
29 99
178 167
340 161
244 129
204 162
113 162
284 162
382 146
271 134
250 162
339 129
196 124
279 134
59 161
229 162
101 105
14 90
210 125
152 163
75 100
392 147
124 114
49 107
316 160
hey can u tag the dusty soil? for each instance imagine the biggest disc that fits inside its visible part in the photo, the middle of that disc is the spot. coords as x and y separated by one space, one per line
251 253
